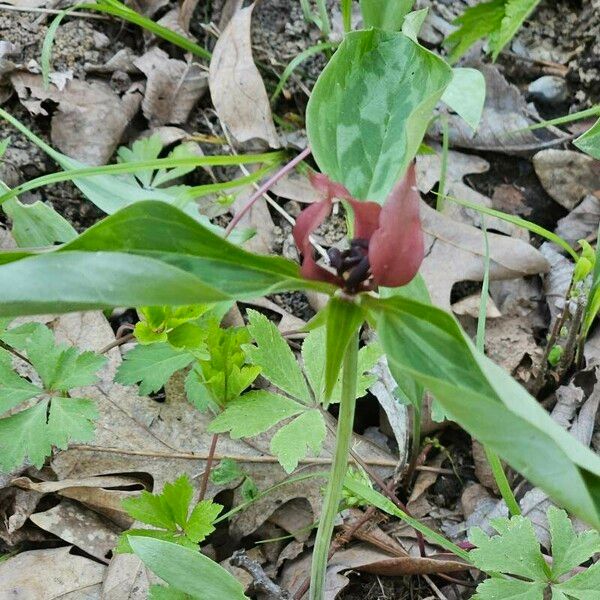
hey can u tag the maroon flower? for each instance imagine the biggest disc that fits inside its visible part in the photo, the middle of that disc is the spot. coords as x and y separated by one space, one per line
387 248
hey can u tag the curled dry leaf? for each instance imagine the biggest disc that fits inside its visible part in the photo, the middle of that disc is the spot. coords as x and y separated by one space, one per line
236 87
65 575
173 87
567 176
455 252
502 123
81 106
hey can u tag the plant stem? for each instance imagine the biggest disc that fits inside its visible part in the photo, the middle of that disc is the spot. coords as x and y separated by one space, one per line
347 15
338 472
502 482
324 18
208 468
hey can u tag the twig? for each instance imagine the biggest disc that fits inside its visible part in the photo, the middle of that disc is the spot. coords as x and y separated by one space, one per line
261 582
209 462
117 342
376 462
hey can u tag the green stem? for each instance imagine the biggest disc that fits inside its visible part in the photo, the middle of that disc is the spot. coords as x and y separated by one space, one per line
502 482
339 468
347 15
324 18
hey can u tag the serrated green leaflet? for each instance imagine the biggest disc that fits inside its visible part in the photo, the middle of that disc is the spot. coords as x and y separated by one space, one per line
272 353
147 254
151 366
364 125
187 570
428 345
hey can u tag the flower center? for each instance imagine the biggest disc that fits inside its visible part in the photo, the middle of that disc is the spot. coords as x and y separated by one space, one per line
352 265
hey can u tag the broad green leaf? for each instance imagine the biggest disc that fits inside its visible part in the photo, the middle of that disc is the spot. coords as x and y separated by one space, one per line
583 586
275 358
589 142
160 592
569 549
478 21
37 224
515 551
13 388
466 95
24 435
148 254
196 391
254 413
305 433
413 22
123 546
428 345
151 366
187 570
150 509
344 319
364 127
510 589
385 14
176 498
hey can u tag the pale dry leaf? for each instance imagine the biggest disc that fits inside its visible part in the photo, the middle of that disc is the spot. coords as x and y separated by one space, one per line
582 222
470 305
503 123
295 186
81 106
24 505
558 278
567 176
459 166
172 89
288 322
148 7
236 87
483 471
425 479
126 579
52 573
257 218
455 252
81 527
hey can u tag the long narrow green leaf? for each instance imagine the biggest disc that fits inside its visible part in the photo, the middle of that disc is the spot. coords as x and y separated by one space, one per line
149 253
427 344
116 9
533 227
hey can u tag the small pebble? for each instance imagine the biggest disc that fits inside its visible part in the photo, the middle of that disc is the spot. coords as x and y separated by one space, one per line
549 89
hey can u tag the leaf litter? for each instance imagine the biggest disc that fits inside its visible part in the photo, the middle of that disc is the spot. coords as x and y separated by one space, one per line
144 443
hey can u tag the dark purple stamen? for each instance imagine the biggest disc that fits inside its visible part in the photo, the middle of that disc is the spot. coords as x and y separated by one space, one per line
352 265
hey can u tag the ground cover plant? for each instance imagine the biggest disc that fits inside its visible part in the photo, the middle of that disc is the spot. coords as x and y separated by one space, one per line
190 294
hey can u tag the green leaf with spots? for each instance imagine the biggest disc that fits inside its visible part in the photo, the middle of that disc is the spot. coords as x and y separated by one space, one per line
365 126
589 142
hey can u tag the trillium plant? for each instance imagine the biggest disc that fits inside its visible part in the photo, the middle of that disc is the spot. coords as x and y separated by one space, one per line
366 120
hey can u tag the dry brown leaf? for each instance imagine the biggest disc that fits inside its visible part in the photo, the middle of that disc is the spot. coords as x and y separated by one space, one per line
173 87
469 306
236 87
502 123
582 222
558 279
126 579
426 479
456 251
53 573
81 107
459 166
81 527
567 176
295 186
257 218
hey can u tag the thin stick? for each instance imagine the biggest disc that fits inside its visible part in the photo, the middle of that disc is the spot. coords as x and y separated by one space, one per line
376 462
52 11
118 342
209 462
267 185
14 352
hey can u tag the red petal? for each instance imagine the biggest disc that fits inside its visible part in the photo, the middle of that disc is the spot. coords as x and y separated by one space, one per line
397 249
327 188
308 220
366 218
